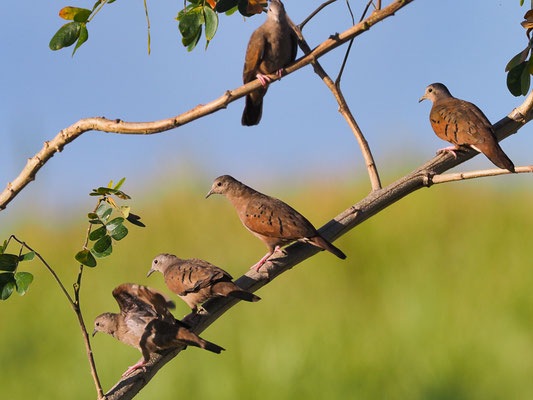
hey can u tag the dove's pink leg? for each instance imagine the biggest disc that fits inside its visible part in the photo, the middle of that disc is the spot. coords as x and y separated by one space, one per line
264 79
140 364
449 149
263 260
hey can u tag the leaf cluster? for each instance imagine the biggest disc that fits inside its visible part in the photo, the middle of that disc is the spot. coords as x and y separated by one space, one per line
10 278
520 68
110 218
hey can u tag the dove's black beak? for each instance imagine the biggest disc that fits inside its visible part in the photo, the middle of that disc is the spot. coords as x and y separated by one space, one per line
150 272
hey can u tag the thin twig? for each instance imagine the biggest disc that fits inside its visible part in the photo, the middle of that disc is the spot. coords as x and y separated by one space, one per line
69 134
148 24
345 112
461 176
338 80
322 6
378 5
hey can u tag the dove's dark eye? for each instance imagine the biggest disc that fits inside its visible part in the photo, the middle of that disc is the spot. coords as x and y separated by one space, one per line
98 324
430 90
155 261
219 184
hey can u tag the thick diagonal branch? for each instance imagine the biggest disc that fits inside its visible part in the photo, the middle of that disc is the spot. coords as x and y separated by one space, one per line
375 202
69 134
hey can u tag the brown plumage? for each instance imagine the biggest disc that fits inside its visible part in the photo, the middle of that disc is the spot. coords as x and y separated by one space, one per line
195 281
272 47
271 220
145 322
463 124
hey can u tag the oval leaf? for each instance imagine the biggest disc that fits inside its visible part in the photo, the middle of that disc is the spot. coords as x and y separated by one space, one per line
97 233
514 76
524 81
119 184
86 258
8 262
189 25
65 36
23 281
70 13
102 245
114 223
211 23
135 220
7 285
84 35
27 257
105 253
119 232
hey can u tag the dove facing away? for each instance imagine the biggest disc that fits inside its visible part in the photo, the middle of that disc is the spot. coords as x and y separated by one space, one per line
272 47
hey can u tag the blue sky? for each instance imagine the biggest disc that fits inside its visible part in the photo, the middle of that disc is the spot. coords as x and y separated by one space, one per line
464 44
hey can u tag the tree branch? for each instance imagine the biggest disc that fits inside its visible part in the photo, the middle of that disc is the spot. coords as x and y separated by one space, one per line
376 201
462 176
69 134
312 15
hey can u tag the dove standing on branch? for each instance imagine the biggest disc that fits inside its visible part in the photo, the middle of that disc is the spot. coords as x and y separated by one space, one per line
463 124
195 281
146 323
271 220
271 48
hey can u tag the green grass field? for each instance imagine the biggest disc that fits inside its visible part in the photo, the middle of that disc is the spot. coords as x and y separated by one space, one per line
434 302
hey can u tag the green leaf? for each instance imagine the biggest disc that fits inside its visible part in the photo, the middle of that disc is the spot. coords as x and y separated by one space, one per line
97 233
75 14
86 258
112 225
65 36
514 62
84 35
119 184
193 44
3 247
105 253
95 221
521 2
23 281
525 81
189 25
211 22
102 245
27 257
514 79
226 5
232 11
119 232
97 4
8 262
104 190
92 216
103 211
7 285
135 220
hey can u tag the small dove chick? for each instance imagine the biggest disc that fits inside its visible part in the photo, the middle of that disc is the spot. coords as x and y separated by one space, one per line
463 124
271 220
195 281
272 47
145 322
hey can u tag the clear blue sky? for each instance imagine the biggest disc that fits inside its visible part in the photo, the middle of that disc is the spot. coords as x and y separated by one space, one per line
464 44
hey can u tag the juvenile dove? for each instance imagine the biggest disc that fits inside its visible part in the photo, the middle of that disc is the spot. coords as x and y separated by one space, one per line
271 220
195 281
272 47
463 124
146 323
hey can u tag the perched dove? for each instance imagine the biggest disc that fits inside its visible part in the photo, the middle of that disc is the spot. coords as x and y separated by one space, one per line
195 281
271 220
463 124
272 47
146 323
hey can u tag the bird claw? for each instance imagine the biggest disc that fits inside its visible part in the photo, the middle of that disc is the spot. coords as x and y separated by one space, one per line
264 79
280 72
140 364
450 149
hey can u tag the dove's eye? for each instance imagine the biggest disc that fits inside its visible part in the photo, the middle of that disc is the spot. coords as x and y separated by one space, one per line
219 184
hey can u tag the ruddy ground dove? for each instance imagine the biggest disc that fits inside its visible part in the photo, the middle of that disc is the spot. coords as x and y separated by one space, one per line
195 281
272 47
463 124
271 220
146 323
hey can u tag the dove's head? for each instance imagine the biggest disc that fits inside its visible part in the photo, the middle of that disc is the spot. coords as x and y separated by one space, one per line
435 91
224 184
276 9
161 262
106 323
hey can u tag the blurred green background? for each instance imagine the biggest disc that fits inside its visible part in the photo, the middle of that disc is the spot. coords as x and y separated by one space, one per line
433 302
